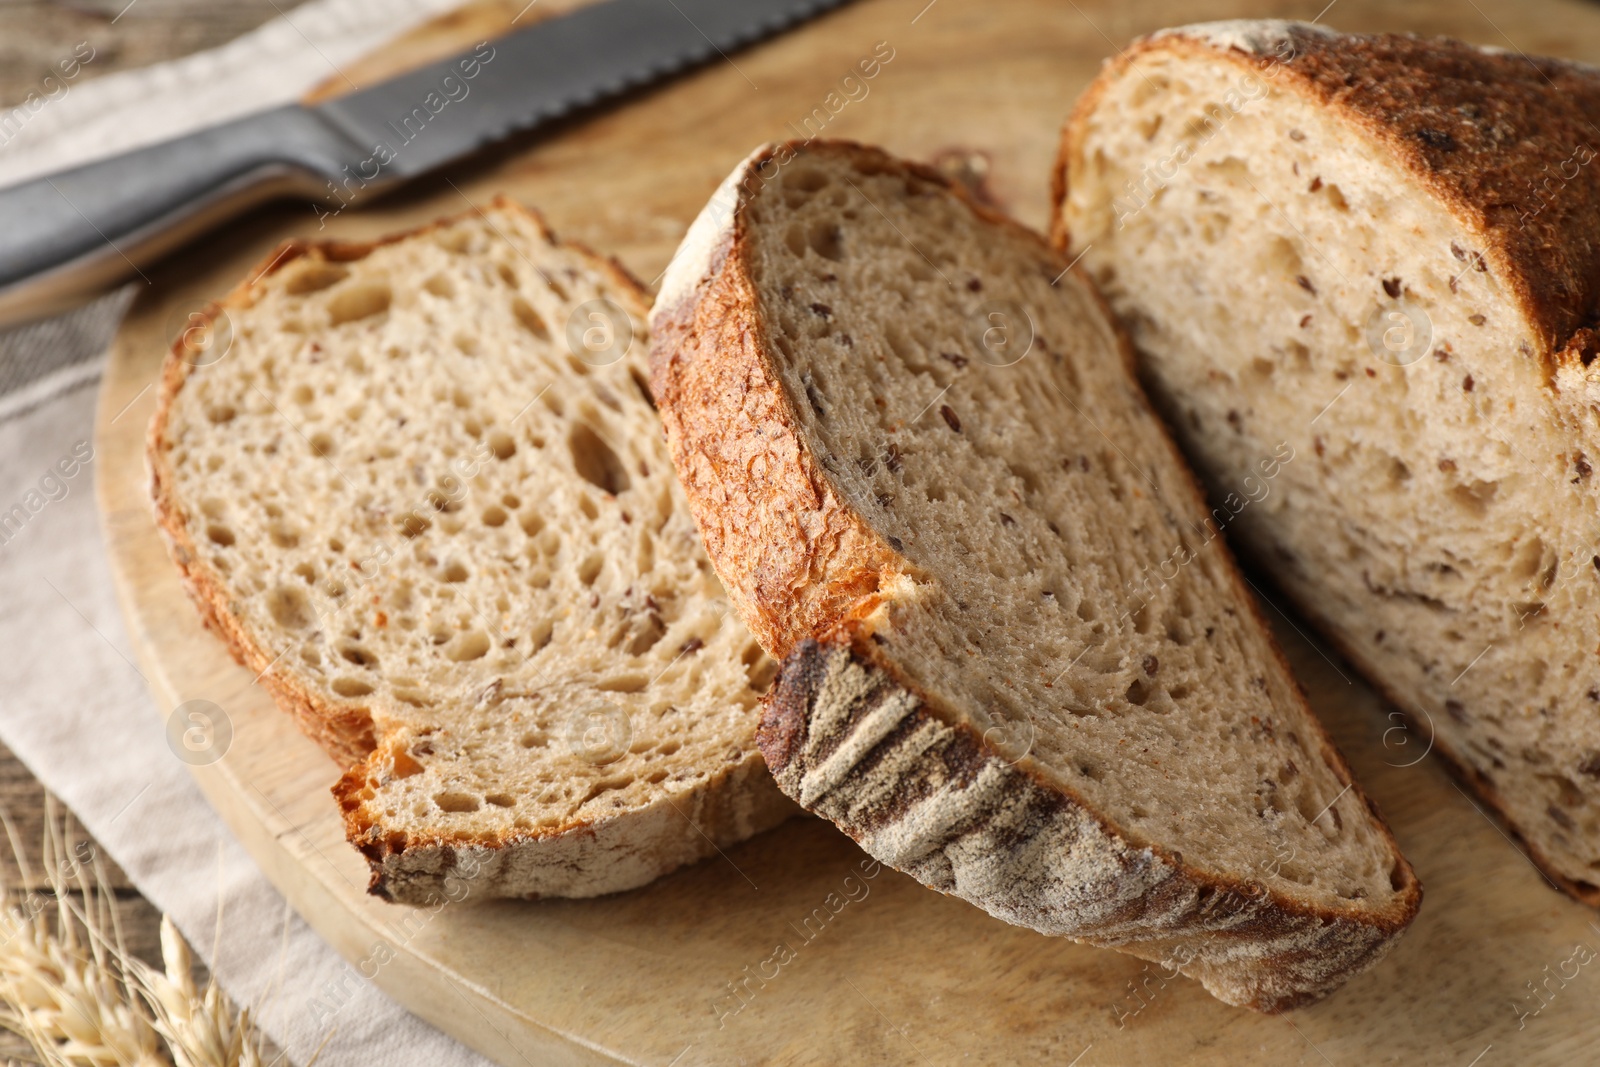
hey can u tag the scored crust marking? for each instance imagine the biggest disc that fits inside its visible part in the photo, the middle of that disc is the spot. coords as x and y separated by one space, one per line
926 798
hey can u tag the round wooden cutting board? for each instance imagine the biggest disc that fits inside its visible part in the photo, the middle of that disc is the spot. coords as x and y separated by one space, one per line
879 970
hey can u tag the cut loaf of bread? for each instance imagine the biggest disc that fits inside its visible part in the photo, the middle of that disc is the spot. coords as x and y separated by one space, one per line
921 464
1385 251
420 488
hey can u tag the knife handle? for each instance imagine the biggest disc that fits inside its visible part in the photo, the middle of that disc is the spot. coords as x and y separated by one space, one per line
77 231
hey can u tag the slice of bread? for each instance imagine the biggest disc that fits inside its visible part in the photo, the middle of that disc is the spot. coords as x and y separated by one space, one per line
1385 251
921 464
420 488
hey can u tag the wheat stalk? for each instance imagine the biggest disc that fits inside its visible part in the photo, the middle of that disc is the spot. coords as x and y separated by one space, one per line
69 987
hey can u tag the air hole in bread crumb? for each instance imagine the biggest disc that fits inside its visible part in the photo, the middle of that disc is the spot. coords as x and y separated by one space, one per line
219 534
221 413
643 387
605 785
413 525
501 800
647 638
359 300
825 240
502 444
542 631
315 277
473 644
351 687
760 674
1475 496
795 238
624 683
290 607
1138 692
456 802
589 569
668 747
361 657
440 286
454 571
531 320
466 344
494 515
595 461
321 444
807 180
443 502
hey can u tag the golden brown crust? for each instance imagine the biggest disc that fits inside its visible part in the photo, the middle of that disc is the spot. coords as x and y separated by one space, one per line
343 730
1486 132
806 586
790 570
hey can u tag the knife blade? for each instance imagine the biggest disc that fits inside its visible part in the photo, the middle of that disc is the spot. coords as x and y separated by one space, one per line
70 234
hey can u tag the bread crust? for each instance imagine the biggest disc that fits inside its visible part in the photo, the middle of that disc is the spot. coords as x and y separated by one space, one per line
1508 116
580 857
1472 125
736 440
864 748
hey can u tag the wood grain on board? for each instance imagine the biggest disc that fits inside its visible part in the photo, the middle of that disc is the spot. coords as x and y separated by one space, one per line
901 974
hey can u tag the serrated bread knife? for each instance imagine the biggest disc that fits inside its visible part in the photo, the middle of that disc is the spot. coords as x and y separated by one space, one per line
65 236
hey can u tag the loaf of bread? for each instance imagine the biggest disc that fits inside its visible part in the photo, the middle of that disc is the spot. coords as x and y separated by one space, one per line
925 472
1386 252
419 488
